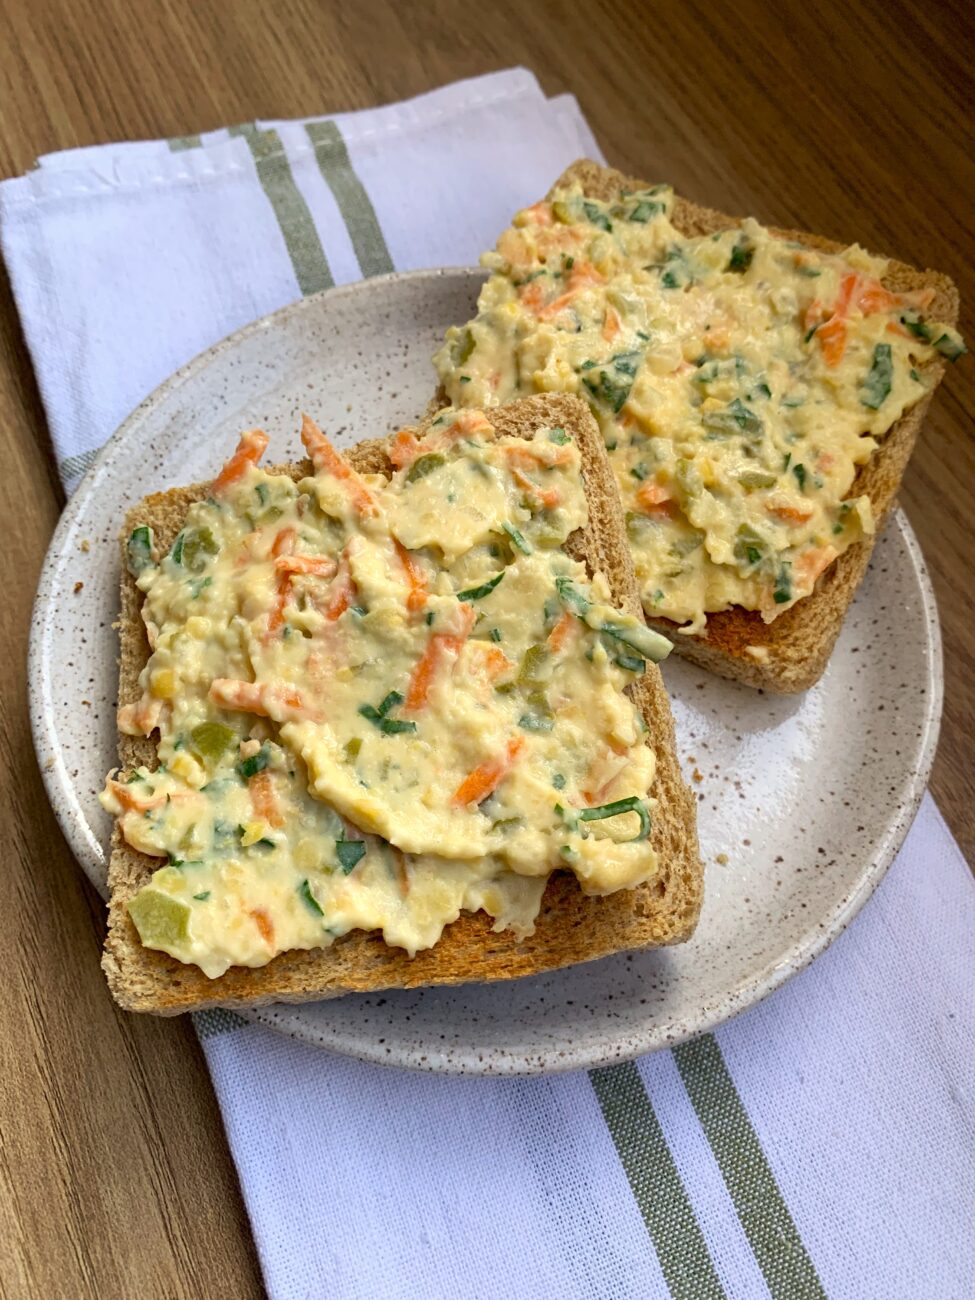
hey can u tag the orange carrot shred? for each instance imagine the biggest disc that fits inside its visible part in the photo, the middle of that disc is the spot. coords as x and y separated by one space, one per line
250 449
486 778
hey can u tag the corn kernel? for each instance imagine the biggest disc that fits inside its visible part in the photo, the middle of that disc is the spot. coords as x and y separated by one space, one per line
185 766
162 684
253 831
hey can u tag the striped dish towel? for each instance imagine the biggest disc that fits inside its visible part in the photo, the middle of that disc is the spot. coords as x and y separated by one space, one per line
822 1144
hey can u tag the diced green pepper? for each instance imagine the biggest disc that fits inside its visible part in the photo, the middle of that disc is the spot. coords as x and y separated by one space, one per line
162 921
138 550
211 740
424 464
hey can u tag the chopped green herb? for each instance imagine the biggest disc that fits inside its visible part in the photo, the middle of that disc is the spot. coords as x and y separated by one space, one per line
741 256
202 898
571 597
350 853
495 634
352 747
558 435
248 767
783 586
640 471
558 781
651 645
485 589
262 493
800 473
645 211
309 899
596 216
877 384
518 537
632 804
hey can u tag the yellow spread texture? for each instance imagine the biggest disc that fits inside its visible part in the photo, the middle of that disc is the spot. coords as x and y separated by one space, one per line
381 701
739 380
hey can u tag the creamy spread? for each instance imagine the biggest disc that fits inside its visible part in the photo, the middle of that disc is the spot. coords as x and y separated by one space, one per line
740 381
381 701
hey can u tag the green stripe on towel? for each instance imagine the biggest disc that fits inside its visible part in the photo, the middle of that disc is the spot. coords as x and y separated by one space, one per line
656 1183
294 218
758 1202
350 195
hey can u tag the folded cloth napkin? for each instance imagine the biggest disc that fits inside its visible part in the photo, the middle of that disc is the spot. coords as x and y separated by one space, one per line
823 1143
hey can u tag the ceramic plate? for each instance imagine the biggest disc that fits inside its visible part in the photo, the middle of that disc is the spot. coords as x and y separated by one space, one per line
803 801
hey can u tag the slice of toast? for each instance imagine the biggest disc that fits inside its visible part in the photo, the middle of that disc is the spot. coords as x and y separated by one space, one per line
571 927
790 654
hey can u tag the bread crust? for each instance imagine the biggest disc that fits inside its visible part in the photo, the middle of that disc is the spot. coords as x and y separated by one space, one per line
571 927
790 653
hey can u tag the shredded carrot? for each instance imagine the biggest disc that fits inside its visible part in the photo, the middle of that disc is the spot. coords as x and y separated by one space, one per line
789 514
280 548
341 593
414 577
548 497
561 632
426 667
496 662
656 500
530 454
874 297
919 298
812 563
250 449
260 787
141 718
540 213
582 275
531 296
263 924
486 778
895 327
611 324
281 702
405 448
130 800
316 566
328 461
832 340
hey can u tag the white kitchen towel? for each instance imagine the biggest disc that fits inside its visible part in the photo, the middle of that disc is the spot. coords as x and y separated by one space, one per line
821 1144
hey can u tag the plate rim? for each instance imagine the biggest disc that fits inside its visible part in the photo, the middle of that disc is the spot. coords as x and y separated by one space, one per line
87 851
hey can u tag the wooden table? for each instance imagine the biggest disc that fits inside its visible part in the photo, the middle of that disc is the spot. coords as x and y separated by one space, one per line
852 120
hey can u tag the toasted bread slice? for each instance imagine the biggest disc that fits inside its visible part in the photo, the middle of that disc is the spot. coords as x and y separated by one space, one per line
571 927
790 654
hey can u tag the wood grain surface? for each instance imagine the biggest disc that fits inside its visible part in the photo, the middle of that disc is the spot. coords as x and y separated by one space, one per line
853 120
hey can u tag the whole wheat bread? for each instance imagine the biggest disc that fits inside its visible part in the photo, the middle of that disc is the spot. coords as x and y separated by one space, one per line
790 654
571 927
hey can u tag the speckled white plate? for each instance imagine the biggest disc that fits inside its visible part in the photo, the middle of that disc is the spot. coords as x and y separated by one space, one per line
809 798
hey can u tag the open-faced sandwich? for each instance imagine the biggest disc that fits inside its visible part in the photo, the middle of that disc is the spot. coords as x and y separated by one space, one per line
391 718
759 392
